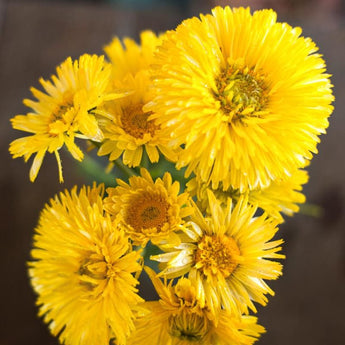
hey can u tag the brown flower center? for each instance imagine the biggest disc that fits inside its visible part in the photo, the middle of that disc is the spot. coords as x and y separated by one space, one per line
147 211
135 122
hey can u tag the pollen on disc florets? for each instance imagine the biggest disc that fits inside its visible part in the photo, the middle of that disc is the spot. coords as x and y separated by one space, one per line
241 92
135 121
147 212
217 254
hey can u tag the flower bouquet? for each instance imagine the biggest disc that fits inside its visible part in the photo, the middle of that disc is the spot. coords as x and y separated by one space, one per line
211 126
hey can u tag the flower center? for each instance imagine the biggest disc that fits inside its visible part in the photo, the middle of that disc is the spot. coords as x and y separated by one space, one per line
135 122
60 111
147 212
93 268
62 116
217 254
188 326
242 92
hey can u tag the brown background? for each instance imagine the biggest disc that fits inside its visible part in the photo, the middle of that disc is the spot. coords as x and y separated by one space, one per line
36 36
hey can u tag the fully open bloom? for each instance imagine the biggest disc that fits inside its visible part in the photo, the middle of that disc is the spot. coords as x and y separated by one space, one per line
63 112
227 255
82 271
127 128
147 209
179 319
244 95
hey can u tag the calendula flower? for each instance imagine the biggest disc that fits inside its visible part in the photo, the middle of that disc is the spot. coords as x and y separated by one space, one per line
82 271
179 319
246 97
63 112
127 128
227 256
279 197
147 209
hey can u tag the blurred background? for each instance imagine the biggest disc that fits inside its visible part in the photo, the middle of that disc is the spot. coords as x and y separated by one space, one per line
35 36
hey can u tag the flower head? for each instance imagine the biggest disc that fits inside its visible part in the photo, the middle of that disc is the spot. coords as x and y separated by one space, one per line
128 57
148 210
127 128
279 197
244 95
227 256
179 319
82 270
63 112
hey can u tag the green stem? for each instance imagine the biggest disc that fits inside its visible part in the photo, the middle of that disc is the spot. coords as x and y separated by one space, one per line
118 163
95 171
124 168
311 210
145 161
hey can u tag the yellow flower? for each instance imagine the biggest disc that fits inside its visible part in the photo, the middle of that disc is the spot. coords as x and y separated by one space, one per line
129 57
127 128
246 96
227 256
279 197
179 319
63 112
82 270
148 210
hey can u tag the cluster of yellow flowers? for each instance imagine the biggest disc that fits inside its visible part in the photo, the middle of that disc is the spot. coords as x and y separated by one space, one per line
240 100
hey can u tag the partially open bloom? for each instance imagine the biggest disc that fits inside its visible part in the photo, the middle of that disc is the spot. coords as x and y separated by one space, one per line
227 256
282 196
63 112
126 126
147 209
179 319
245 96
83 271
128 57
279 197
